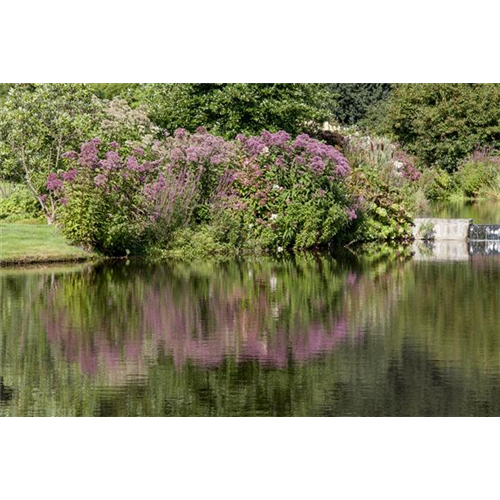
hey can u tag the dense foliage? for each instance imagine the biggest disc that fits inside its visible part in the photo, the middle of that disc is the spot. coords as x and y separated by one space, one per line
478 176
110 174
230 109
40 122
354 100
384 179
18 203
113 90
443 123
269 191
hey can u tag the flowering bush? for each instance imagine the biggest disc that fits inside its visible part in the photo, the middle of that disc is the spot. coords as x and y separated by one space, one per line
384 208
203 156
102 198
380 153
130 127
114 203
290 193
268 192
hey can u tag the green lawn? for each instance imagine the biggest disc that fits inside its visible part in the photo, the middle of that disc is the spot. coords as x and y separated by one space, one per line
24 243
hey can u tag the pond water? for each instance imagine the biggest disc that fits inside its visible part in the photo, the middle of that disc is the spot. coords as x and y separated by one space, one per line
310 336
482 212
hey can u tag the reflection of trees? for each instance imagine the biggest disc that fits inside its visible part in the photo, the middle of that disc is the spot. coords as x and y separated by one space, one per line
119 319
305 337
5 392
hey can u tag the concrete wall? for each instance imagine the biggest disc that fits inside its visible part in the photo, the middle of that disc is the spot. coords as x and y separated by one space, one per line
441 229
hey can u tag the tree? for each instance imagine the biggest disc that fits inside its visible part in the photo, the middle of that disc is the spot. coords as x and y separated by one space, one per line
4 91
228 109
442 123
38 123
354 100
115 90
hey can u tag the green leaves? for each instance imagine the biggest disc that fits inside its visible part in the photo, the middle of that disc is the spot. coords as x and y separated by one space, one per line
443 123
230 109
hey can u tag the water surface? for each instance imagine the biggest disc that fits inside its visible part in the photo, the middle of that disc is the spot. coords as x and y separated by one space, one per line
310 336
482 212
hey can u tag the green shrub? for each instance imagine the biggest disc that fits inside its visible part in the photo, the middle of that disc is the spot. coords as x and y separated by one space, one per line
354 100
438 185
385 208
444 123
113 90
19 204
479 176
228 109
472 177
191 243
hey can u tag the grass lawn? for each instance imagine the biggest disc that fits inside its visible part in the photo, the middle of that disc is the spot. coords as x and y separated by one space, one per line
25 243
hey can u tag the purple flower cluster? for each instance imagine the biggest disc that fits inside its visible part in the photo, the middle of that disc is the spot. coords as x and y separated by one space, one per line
408 171
54 182
304 151
485 155
89 154
267 177
200 148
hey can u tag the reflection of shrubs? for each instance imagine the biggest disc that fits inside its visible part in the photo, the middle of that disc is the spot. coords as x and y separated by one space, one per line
427 231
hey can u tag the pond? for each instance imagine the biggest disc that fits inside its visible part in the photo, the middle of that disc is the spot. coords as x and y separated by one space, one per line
482 212
309 336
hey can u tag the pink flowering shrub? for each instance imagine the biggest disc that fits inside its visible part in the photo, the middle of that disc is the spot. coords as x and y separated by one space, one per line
290 193
102 197
270 192
116 203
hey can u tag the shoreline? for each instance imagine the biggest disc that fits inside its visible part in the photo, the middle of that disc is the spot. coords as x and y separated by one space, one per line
31 260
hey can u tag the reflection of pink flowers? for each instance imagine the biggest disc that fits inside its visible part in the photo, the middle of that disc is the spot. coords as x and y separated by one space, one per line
189 327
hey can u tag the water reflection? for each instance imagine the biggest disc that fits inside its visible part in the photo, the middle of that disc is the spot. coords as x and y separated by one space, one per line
307 336
481 212
454 250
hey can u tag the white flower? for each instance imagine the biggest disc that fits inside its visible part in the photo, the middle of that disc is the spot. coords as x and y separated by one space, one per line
280 249
276 187
274 216
398 165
